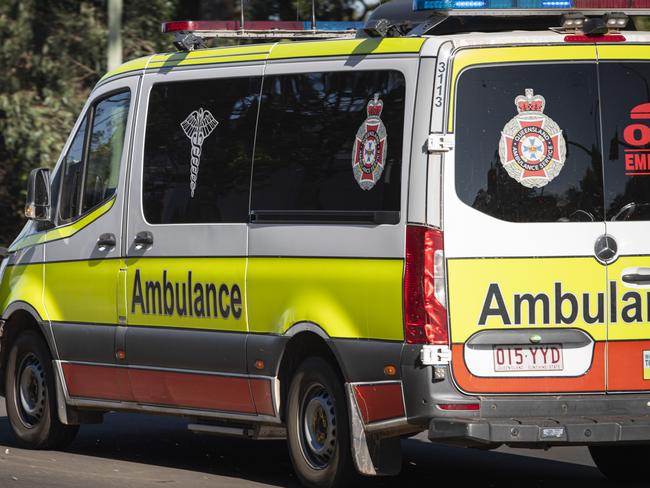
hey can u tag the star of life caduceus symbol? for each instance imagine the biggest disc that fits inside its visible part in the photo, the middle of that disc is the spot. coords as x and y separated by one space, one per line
532 147
198 126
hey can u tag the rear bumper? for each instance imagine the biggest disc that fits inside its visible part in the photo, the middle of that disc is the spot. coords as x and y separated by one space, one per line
542 431
525 420
548 420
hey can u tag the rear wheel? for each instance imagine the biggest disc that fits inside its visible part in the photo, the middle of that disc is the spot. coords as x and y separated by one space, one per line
621 463
31 396
318 426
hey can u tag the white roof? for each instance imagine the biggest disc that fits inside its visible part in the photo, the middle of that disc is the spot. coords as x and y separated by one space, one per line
512 38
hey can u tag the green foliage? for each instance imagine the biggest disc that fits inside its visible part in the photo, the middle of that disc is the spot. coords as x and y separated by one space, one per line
54 51
299 9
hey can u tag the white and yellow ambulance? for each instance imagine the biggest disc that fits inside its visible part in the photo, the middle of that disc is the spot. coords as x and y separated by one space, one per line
441 224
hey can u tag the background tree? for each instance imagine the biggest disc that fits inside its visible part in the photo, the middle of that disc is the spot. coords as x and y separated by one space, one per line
54 51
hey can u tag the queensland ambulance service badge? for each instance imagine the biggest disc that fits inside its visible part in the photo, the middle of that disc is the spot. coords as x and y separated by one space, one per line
370 147
532 148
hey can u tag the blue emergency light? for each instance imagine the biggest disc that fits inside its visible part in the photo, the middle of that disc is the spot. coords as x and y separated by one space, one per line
490 4
627 5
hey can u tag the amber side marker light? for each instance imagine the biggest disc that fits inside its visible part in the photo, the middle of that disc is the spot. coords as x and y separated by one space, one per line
121 355
390 370
259 364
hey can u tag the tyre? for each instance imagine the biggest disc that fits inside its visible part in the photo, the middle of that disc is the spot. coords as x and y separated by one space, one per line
318 428
621 463
31 396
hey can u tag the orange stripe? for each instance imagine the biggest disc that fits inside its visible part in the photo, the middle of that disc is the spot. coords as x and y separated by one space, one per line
98 382
626 366
592 380
165 388
379 402
262 397
224 393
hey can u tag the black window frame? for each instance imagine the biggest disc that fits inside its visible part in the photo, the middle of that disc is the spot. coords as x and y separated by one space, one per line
89 116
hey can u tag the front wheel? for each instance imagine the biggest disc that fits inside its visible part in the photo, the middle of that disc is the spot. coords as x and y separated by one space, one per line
31 396
318 426
621 463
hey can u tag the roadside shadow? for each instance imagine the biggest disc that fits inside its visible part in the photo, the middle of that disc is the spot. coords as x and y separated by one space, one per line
165 442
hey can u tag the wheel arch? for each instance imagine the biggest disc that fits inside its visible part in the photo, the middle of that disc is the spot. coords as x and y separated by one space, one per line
306 339
17 317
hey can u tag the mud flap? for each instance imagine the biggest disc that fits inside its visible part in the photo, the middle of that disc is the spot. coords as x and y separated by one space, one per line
372 454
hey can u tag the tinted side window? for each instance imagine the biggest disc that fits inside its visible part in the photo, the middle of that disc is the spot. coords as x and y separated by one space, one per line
198 150
535 161
626 133
72 171
330 142
105 153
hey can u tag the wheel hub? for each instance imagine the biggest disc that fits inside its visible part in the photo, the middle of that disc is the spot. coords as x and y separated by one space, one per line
318 427
31 390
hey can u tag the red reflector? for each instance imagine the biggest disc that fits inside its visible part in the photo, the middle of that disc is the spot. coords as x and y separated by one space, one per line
591 39
425 318
460 406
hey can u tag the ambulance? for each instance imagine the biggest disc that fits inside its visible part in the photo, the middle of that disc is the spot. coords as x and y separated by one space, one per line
438 223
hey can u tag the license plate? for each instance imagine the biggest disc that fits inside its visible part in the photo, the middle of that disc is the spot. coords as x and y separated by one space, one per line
547 357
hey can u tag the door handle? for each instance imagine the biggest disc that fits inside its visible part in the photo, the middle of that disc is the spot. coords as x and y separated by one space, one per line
143 239
637 276
106 241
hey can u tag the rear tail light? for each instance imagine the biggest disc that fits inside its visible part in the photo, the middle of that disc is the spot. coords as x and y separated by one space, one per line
425 301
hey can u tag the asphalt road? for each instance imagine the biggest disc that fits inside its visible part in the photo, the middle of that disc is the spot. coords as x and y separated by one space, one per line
139 451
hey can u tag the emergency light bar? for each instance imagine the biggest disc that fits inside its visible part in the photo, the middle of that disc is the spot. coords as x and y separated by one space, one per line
506 7
264 29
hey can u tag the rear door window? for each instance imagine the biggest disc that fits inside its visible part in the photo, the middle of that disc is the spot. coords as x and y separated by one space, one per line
528 142
626 134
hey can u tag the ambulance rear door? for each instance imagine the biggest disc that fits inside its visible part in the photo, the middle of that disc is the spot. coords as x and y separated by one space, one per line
624 73
523 221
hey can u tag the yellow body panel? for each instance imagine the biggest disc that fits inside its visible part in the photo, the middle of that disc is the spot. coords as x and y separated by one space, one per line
138 64
263 52
346 47
470 293
632 322
23 284
476 56
210 56
626 51
351 298
82 291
